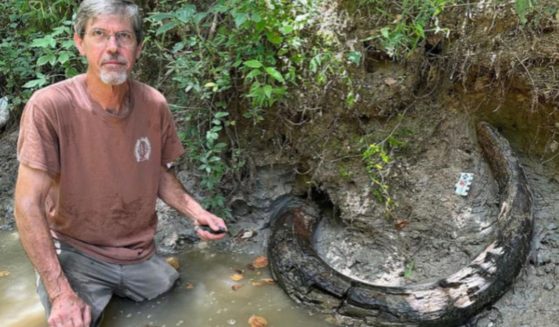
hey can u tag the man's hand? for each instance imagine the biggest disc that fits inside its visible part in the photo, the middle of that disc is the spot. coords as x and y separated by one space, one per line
216 226
172 192
68 310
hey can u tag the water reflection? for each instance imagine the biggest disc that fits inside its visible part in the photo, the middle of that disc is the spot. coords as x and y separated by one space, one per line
206 295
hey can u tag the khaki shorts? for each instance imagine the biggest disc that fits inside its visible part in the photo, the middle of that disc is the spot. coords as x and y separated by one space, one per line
96 281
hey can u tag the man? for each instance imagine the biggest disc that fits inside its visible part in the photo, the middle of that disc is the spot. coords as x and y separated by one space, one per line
94 152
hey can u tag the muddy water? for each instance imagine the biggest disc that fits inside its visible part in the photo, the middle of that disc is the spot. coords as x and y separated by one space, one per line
19 304
204 297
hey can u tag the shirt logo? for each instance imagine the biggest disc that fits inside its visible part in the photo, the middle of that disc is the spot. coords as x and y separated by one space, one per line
142 150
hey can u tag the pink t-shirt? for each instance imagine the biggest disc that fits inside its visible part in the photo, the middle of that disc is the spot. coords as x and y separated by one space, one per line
106 167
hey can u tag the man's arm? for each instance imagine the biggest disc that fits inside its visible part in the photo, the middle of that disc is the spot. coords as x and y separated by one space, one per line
173 193
32 188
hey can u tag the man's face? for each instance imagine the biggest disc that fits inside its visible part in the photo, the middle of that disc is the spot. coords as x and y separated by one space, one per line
111 48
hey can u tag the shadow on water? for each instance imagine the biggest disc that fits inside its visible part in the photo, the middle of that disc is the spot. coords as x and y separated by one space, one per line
205 296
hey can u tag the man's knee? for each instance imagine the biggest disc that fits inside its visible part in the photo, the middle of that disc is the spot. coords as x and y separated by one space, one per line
149 279
89 278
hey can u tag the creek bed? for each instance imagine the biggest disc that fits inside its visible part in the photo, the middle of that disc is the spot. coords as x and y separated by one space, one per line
203 297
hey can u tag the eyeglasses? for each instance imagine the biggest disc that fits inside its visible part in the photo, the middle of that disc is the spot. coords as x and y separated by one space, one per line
101 37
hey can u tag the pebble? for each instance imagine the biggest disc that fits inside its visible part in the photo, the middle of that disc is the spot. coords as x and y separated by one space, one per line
549 286
543 258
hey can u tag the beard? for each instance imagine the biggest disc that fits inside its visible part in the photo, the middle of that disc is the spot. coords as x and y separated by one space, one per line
113 77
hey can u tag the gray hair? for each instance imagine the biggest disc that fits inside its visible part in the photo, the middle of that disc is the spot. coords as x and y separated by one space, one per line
90 9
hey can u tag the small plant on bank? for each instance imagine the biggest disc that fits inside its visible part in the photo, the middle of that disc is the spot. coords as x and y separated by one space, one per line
523 8
378 160
407 22
409 268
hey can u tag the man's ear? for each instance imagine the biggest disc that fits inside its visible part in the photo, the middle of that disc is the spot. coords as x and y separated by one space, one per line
139 50
78 41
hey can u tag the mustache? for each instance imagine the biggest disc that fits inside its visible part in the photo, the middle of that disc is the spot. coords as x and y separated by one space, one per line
118 60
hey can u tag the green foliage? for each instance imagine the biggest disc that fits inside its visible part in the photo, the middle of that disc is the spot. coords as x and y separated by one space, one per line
344 172
238 57
256 49
408 22
37 48
536 13
55 49
378 159
523 8
208 151
409 268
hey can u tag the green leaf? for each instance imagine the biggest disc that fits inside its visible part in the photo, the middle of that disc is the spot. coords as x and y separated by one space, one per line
45 42
268 91
161 16
408 269
221 114
274 38
522 7
64 56
53 60
211 136
71 72
185 13
199 17
279 91
220 146
219 8
179 46
315 64
59 30
48 58
255 17
240 18
253 64
286 29
165 28
419 30
354 57
275 74
67 44
43 60
253 73
35 83
385 32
